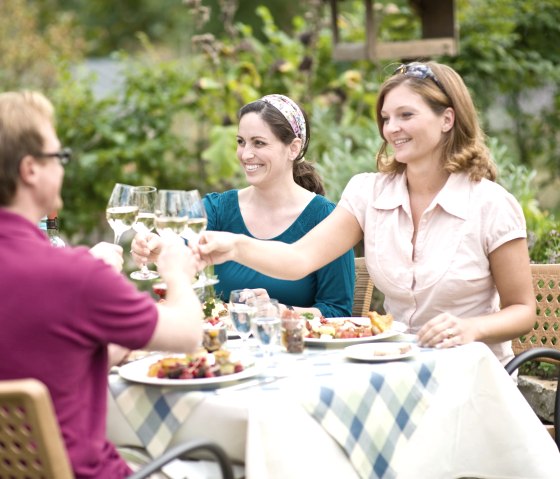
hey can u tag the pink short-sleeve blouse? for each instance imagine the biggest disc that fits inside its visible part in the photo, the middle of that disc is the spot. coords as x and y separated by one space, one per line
449 270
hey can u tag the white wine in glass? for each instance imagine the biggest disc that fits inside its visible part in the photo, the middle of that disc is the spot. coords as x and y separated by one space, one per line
121 210
171 212
197 223
145 198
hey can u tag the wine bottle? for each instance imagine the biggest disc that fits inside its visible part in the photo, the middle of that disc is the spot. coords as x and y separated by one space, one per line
52 230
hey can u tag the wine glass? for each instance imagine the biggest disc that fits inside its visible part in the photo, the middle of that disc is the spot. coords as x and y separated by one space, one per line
145 198
196 224
121 210
171 213
242 310
267 326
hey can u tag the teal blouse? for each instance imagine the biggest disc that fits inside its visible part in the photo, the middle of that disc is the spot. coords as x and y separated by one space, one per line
330 289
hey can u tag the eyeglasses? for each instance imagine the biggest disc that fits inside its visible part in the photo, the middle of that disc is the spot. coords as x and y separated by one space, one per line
64 155
419 70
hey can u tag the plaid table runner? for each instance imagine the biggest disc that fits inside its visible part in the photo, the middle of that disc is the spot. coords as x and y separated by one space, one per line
374 411
155 413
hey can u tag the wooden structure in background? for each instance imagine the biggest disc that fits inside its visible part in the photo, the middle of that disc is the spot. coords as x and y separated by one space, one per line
439 34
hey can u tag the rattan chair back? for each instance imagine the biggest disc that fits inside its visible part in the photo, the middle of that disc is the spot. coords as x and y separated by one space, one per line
363 289
546 330
32 446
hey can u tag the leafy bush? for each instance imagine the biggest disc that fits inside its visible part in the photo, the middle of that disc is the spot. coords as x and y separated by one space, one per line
173 123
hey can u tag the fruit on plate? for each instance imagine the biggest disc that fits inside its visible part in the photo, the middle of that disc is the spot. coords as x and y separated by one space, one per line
195 366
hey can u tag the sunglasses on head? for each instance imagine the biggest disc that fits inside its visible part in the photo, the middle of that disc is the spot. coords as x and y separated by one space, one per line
419 70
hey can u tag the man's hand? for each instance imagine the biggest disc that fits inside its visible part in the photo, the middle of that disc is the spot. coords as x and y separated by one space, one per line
111 253
146 248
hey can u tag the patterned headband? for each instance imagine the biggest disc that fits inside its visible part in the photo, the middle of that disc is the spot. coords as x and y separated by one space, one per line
291 111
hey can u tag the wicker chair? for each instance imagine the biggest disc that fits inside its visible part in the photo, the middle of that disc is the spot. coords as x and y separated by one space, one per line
546 330
543 341
363 289
31 445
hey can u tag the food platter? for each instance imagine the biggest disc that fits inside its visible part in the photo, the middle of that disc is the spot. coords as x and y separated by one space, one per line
396 329
137 371
379 352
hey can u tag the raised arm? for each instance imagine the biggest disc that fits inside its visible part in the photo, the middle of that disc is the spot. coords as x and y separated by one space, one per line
179 326
331 238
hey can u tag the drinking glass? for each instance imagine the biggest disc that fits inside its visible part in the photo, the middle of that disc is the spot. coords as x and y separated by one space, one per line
145 198
196 224
267 326
242 310
121 210
171 213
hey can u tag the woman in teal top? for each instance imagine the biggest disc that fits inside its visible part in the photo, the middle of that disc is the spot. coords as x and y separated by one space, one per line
330 289
284 200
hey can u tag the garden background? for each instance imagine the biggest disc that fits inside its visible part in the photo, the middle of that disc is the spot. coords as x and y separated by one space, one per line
186 67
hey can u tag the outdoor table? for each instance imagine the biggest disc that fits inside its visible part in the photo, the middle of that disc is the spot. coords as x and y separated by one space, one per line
440 414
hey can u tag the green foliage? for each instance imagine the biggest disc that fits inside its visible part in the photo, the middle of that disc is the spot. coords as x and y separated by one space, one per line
111 26
543 231
540 369
32 55
342 147
173 123
508 47
144 135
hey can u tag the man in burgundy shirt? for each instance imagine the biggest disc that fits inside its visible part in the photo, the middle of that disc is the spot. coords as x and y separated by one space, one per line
62 308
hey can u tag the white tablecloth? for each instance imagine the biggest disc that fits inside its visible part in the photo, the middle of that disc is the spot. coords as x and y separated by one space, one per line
459 415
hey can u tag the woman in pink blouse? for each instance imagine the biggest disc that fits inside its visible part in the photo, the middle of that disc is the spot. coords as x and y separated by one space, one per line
443 242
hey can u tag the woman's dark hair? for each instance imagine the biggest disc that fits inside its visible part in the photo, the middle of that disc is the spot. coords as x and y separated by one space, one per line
304 172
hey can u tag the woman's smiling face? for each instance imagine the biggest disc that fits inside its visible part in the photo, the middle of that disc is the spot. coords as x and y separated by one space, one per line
411 127
261 154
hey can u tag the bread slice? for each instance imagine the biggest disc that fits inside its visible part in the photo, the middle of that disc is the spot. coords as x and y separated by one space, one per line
380 322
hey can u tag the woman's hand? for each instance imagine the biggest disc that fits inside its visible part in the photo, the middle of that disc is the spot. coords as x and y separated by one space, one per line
146 248
446 331
261 293
216 247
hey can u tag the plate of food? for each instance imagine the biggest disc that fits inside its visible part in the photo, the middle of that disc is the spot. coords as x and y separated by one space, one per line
342 332
199 371
376 352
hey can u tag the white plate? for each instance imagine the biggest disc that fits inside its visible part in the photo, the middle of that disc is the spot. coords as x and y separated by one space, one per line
380 351
397 329
137 371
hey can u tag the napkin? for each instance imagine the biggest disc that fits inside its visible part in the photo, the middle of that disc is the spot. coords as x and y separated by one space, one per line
371 414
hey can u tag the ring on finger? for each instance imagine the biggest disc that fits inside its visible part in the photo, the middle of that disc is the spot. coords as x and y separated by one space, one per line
449 333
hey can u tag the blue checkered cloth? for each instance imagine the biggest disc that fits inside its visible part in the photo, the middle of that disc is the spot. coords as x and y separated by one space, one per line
155 413
374 411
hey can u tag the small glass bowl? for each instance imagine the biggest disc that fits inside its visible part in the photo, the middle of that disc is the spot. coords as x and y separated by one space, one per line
214 336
